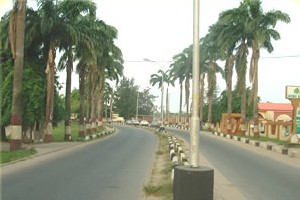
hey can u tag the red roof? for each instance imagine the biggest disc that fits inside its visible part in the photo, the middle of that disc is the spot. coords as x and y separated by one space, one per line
275 107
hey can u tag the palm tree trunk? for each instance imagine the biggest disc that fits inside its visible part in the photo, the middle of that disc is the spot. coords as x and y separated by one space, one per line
209 117
210 93
167 106
82 99
255 104
243 109
68 133
94 95
50 71
230 64
100 95
17 27
187 97
180 104
201 99
89 105
255 57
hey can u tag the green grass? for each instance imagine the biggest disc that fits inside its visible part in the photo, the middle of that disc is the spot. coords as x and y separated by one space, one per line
8 156
164 188
59 132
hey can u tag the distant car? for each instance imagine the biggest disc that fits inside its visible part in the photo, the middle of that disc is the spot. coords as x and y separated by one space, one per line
144 123
155 124
129 122
135 122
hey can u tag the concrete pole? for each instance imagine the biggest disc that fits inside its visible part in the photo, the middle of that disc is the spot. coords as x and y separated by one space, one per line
194 133
194 181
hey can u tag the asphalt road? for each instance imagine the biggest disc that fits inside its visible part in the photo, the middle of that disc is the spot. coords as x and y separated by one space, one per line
257 176
110 169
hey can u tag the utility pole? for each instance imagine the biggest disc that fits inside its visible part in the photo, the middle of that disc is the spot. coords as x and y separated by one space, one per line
194 181
194 133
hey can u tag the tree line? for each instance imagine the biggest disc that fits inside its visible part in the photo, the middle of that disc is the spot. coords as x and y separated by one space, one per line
236 32
30 40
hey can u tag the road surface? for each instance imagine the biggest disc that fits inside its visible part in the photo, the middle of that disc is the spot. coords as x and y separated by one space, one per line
113 168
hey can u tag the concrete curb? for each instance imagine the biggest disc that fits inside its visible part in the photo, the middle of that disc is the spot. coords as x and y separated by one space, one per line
294 153
86 138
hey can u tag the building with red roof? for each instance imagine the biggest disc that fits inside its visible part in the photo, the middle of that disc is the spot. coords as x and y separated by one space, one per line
275 111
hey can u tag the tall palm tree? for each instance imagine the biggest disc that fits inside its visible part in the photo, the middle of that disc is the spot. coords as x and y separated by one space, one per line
56 26
204 68
16 36
211 51
177 72
231 37
186 60
159 79
259 36
99 59
168 80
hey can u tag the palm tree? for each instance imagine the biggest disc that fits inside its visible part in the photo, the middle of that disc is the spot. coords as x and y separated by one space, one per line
185 58
159 79
259 36
56 24
177 72
108 92
204 67
84 53
99 59
211 51
231 35
16 36
168 80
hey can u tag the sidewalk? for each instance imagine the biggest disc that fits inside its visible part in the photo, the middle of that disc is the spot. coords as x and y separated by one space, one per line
41 148
47 148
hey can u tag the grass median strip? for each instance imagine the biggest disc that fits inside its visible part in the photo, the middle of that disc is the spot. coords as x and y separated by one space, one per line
160 183
8 156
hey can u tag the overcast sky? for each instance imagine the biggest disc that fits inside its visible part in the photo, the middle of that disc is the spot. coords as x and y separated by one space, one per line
159 29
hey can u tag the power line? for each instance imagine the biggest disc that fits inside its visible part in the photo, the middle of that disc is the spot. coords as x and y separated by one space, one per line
286 56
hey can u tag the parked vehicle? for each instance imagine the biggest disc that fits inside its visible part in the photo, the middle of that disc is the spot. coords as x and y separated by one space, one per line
135 122
155 124
129 122
144 123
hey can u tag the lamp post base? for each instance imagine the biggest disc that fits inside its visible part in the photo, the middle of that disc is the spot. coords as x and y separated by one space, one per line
193 183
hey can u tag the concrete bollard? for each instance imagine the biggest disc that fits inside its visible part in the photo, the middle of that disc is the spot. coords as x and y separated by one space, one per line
193 183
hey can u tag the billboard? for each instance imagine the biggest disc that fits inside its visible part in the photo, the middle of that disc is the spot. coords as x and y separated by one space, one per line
292 92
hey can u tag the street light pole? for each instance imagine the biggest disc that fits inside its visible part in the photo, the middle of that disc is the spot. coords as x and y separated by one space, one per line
194 134
162 90
194 181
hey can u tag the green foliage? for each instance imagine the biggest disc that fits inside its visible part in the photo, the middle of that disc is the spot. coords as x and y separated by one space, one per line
220 106
75 101
33 96
125 101
145 102
59 111
6 92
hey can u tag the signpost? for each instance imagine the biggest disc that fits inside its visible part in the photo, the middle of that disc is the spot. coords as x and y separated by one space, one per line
298 121
293 94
